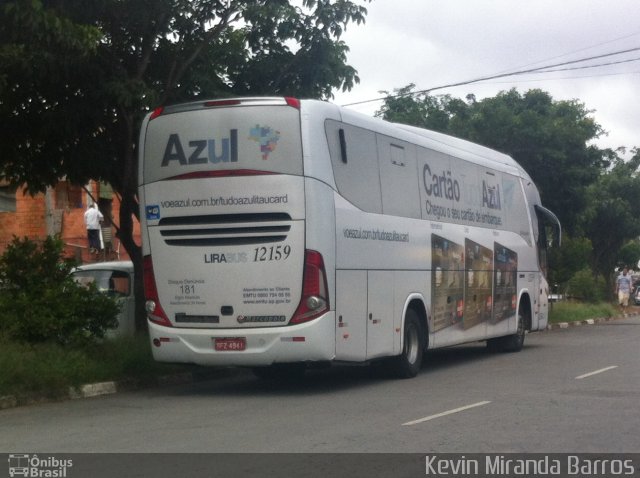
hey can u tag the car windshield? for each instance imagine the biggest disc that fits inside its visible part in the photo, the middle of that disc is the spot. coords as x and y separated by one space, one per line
112 282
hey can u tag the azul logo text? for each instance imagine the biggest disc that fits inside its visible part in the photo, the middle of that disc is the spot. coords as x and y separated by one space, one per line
202 151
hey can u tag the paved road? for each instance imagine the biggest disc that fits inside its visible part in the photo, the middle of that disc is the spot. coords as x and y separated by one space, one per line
569 390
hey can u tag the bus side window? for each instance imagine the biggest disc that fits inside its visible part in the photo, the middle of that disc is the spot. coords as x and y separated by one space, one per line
549 235
357 177
398 177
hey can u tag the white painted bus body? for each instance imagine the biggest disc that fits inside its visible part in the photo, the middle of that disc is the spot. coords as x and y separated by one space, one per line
234 193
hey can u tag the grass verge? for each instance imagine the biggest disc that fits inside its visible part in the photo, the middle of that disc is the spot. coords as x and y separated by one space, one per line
48 370
567 311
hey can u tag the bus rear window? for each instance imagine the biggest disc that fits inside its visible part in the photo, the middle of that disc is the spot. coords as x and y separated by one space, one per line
257 138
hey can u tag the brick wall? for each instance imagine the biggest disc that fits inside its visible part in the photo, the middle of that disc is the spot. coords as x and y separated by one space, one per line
29 220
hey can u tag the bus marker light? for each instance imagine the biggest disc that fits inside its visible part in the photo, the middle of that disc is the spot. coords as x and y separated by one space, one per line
293 102
222 103
159 341
157 112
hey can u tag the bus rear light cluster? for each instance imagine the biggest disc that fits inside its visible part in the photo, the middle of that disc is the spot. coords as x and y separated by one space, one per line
315 296
155 313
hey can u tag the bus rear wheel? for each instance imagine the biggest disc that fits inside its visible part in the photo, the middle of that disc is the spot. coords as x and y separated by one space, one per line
408 363
510 343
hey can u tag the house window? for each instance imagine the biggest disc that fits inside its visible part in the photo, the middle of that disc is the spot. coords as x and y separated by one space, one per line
7 197
105 202
68 196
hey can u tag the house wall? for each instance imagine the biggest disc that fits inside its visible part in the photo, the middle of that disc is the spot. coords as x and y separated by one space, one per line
67 206
27 220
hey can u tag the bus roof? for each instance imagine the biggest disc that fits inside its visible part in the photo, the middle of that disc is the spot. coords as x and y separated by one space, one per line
440 142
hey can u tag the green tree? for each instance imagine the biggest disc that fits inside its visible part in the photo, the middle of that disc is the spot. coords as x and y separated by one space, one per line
572 256
611 218
77 77
437 113
630 254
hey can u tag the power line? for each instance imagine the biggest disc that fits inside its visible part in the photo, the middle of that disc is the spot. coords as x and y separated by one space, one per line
500 75
589 66
532 80
576 51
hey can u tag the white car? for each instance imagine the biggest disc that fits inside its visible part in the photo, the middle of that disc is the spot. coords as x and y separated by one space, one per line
115 279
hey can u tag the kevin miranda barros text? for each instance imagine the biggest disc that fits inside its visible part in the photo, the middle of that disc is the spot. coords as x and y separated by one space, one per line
604 465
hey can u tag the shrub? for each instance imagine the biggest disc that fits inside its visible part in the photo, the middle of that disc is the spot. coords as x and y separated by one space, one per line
586 286
40 302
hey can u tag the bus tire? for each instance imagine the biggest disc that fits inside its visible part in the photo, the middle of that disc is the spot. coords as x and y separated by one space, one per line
513 342
409 362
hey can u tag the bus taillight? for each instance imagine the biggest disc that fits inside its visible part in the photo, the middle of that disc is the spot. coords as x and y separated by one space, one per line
315 297
155 313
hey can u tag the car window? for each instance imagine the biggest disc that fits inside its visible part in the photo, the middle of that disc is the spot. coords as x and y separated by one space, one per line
116 283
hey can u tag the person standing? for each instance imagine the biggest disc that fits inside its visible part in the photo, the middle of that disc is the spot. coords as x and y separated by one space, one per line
92 219
623 289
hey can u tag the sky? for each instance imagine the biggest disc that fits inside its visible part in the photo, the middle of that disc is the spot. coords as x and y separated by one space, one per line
434 43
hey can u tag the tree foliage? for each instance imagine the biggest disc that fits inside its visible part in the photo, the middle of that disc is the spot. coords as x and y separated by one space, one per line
611 218
574 254
77 77
40 302
630 254
587 286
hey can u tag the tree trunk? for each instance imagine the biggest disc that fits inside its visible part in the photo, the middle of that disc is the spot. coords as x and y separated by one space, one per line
129 208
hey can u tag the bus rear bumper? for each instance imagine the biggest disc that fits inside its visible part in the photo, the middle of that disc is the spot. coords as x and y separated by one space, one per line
311 341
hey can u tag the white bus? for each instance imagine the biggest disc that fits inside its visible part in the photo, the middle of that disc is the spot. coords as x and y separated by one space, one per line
279 232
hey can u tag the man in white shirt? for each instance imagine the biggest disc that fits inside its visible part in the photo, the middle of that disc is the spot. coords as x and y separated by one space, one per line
92 219
623 289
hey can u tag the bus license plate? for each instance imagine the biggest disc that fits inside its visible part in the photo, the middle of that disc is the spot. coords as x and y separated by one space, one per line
230 344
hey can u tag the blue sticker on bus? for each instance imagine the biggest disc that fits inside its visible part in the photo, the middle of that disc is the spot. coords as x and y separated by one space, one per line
153 212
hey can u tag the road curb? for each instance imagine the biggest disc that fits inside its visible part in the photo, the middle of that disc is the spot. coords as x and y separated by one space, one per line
93 390
90 390
578 323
